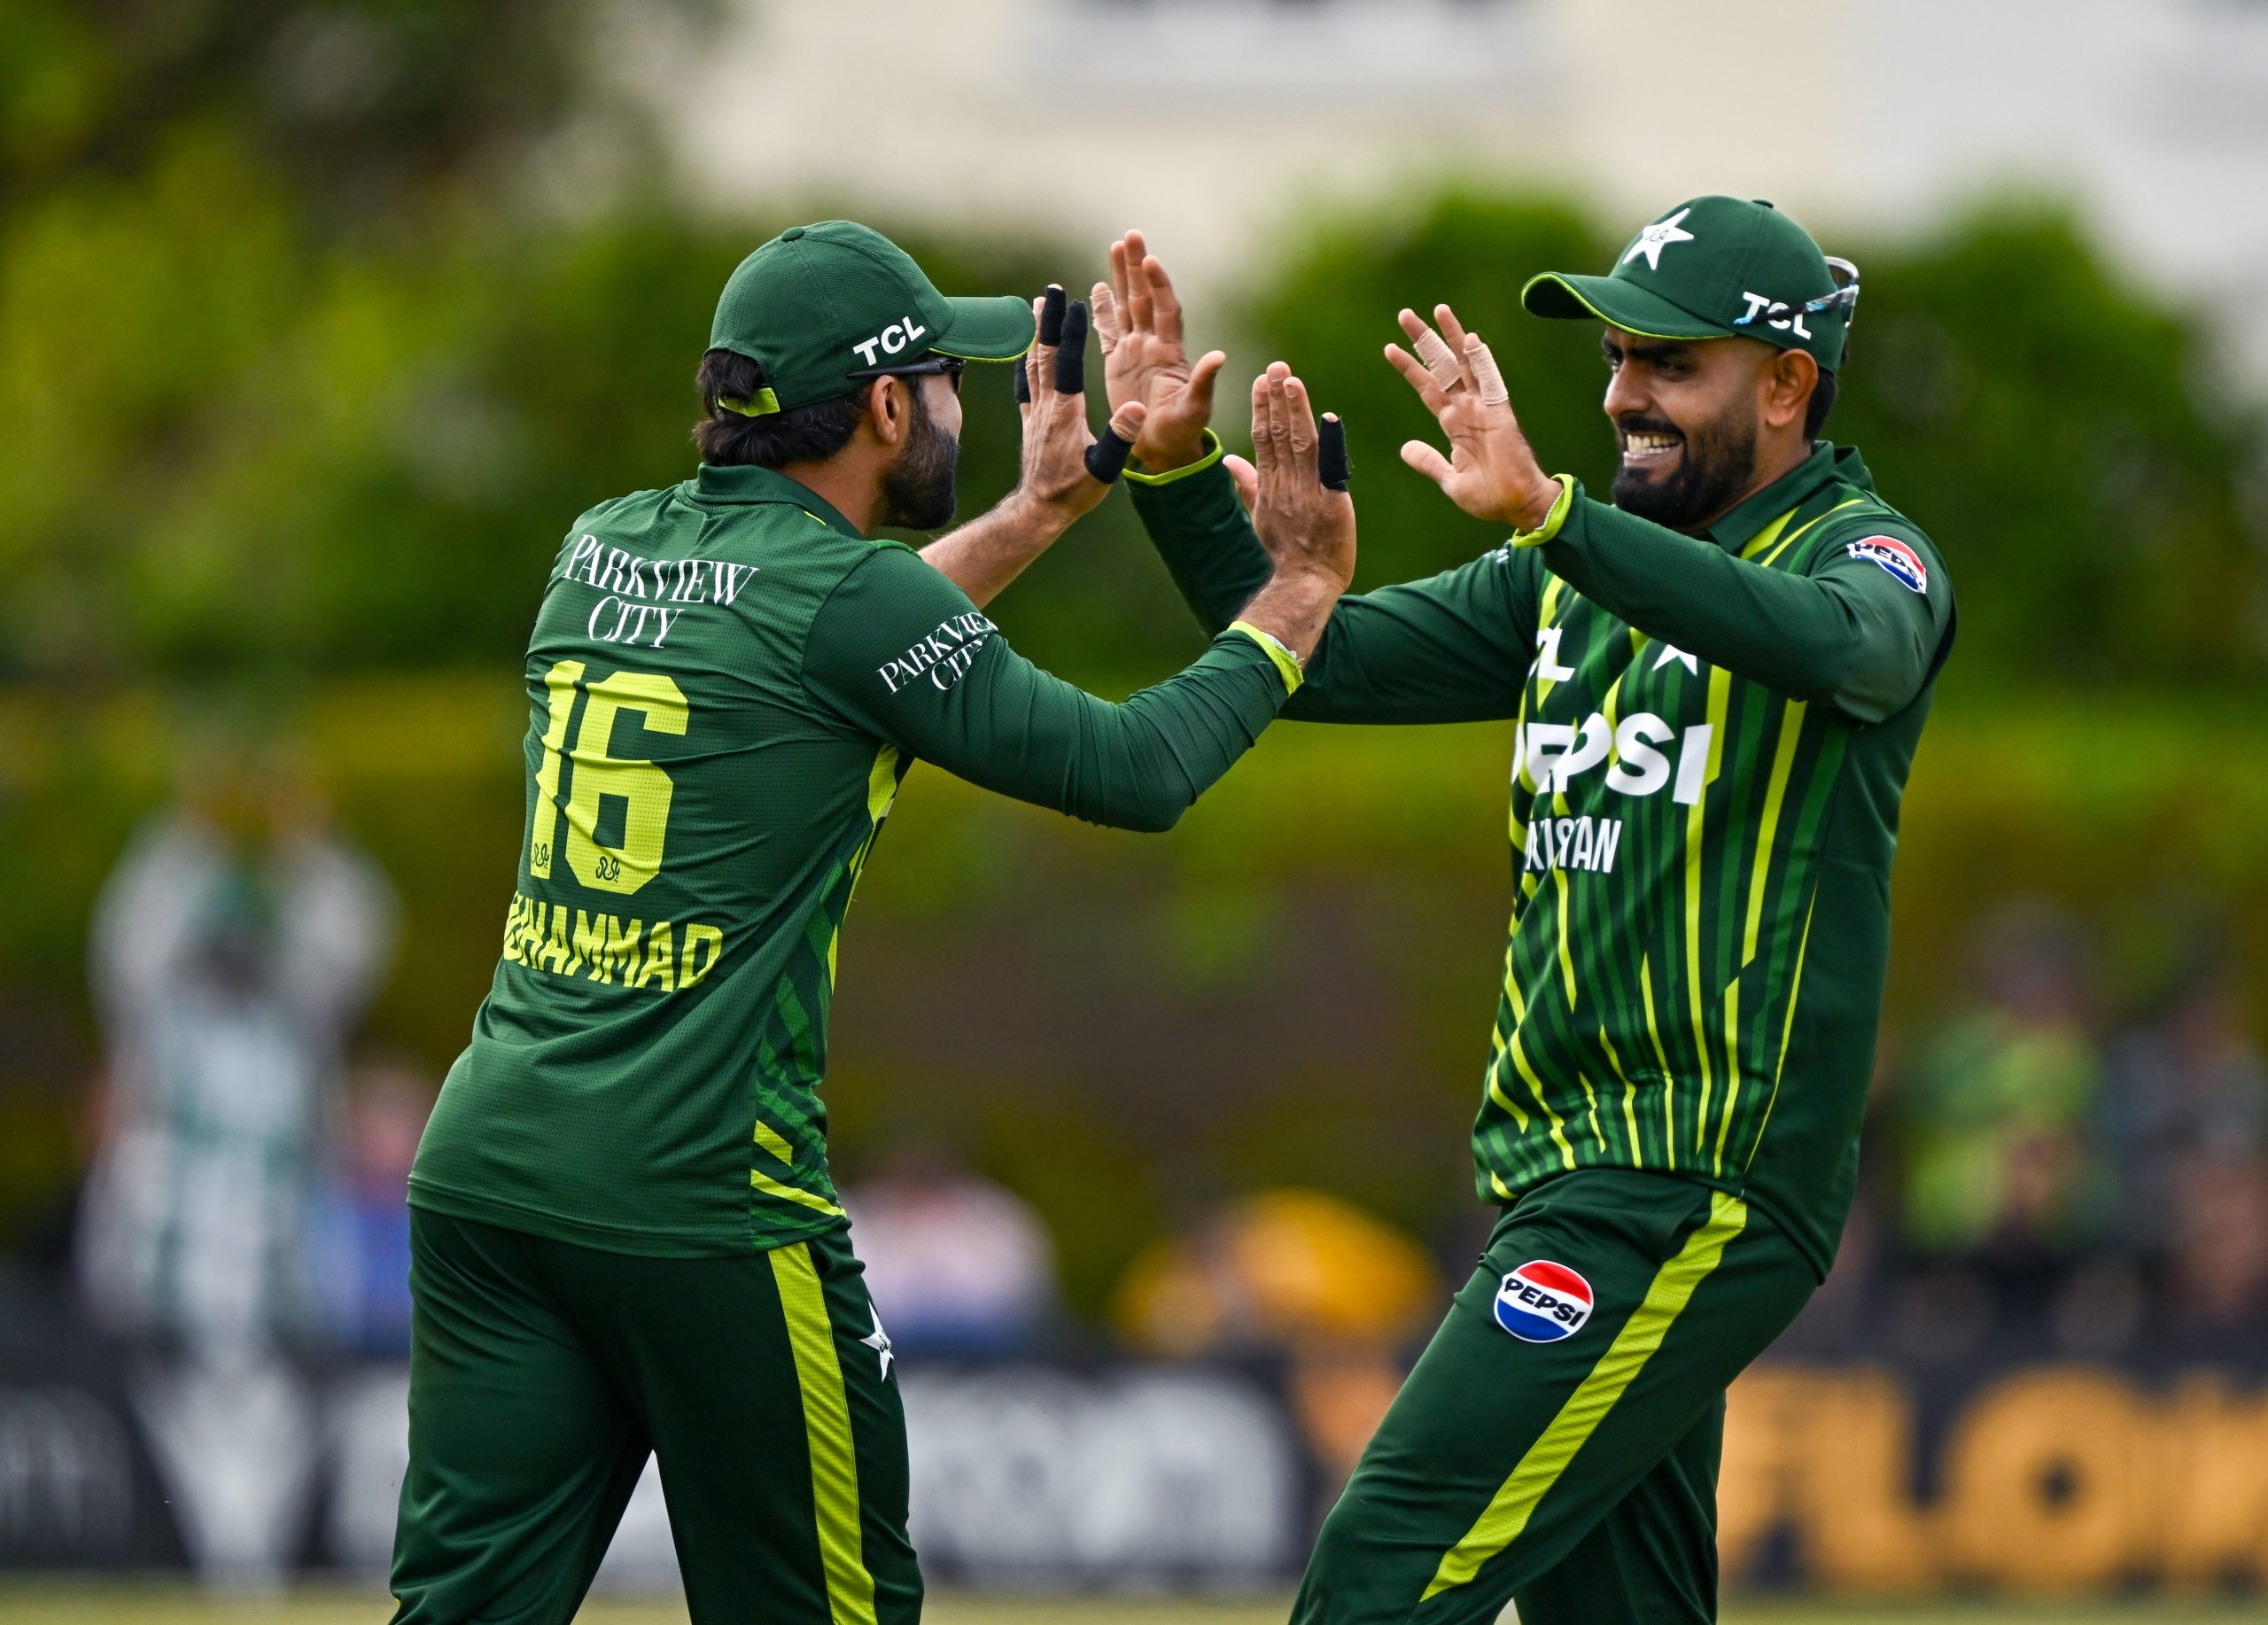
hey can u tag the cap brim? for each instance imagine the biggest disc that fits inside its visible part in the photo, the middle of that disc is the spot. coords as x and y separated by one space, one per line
1619 304
997 328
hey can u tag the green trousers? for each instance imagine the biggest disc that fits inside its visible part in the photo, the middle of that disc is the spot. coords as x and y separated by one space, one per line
1557 1444
541 1374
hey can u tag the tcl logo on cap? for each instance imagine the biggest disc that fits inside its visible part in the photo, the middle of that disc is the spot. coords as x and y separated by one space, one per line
1895 556
1542 1301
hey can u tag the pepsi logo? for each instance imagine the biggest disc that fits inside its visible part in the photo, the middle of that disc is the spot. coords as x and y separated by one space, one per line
1542 1301
1895 556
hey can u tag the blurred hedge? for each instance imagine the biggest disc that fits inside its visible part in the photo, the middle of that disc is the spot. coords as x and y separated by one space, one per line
1295 985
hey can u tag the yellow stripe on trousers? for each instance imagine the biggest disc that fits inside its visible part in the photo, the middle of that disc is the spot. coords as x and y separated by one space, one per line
826 1425
1586 1407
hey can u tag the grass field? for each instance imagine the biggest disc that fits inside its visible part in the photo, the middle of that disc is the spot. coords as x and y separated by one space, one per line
134 1605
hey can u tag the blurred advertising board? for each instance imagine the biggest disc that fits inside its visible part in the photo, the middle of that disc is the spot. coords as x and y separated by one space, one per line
1844 1475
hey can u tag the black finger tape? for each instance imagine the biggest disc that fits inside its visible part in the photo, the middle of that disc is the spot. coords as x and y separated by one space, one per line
1023 381
1050 316
1107 456
1330 464
1071 359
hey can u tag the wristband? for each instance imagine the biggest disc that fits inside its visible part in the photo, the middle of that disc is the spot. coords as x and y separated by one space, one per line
1561 507
1288 665
1212 449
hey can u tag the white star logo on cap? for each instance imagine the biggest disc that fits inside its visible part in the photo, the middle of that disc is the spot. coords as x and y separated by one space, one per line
879 1340
1658 237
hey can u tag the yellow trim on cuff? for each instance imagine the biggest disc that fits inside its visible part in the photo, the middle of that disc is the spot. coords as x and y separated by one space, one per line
1287 663
1553 520
1212 455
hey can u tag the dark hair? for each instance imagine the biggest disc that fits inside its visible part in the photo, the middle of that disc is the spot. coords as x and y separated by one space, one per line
1822 402
800 435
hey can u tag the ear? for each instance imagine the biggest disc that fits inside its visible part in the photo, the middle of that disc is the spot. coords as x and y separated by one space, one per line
890 412
1789 381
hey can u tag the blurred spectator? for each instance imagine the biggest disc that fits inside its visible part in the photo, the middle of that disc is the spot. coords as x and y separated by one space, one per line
1284 1267
1337 1290
1995 1119
363 1244
2219 1273
233 949
2186 1084
958 1265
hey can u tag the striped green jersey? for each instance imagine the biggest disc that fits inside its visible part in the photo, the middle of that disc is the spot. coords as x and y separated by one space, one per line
726 684
1711 734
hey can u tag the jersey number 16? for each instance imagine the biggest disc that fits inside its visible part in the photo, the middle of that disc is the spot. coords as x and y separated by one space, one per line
642 789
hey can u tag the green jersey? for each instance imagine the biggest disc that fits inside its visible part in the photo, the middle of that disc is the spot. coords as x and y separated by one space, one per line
1712 735
726 684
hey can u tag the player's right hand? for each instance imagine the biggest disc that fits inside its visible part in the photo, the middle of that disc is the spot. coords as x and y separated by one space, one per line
1137 317
1051 395
1305 526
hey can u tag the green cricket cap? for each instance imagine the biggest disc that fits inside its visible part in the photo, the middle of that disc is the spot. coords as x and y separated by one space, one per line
1714 268
819 307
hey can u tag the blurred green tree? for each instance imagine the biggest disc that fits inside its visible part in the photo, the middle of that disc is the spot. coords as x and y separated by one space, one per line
2071 442
2066 437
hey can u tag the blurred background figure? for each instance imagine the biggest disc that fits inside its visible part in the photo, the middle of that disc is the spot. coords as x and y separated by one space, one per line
232 951
1995 1122
1281 1269
956 1263
1336 1292
362 1238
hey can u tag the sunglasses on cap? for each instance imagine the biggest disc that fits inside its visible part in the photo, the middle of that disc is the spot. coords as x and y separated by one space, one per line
949 366
1846 297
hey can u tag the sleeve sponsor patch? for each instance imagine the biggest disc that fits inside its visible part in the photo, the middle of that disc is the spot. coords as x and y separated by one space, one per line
1894 556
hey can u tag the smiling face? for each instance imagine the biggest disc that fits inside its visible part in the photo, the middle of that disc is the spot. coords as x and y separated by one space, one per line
1690 415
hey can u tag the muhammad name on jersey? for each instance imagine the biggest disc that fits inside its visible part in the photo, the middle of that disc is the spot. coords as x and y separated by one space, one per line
607 949
640 599
1634 756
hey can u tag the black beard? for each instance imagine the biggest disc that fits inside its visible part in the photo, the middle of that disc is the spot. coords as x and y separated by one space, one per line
1718 460
918 492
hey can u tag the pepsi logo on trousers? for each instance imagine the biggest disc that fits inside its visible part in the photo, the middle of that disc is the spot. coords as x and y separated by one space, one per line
1542 1301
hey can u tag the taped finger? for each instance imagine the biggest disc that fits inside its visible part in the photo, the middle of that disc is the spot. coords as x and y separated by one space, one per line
1108 455
1106 315
1491 381
1071 358
1050 316
1439 360
1331 466
1024 384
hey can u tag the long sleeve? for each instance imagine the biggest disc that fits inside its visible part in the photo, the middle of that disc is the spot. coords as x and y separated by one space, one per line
1856 633
899 652
1453 647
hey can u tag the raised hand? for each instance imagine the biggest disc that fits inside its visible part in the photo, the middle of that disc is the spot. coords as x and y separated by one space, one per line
1490 472
1137 317
1065 468
1303 524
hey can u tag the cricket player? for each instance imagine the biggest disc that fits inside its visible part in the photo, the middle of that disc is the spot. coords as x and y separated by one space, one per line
1717 681
623 1236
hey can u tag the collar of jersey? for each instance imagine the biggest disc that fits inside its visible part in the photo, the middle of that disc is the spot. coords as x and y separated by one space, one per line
741 482
1828 464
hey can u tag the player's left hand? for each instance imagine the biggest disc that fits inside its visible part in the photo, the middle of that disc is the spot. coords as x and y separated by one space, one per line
1137 317
1490 470
1067 472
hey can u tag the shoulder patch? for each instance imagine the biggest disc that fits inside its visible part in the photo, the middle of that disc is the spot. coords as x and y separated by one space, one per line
1901 560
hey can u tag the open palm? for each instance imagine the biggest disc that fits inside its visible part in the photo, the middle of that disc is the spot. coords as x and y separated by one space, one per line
1490 472
1137 317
